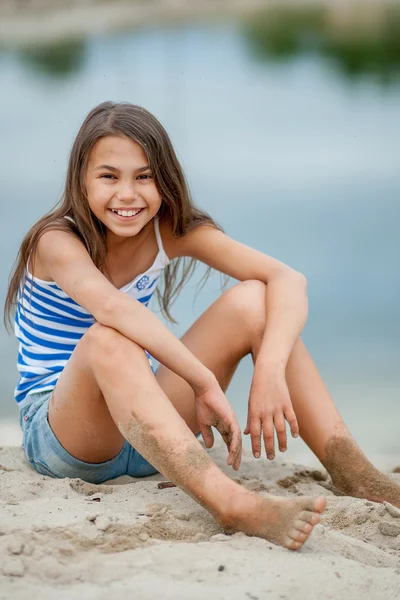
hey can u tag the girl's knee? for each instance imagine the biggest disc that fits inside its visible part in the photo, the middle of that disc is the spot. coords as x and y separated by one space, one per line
248 301
101 337
248 295
106 341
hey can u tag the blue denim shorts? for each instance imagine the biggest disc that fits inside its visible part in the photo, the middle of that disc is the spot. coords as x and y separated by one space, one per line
48 457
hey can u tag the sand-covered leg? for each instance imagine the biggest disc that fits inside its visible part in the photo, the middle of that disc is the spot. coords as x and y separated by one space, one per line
233 327
148 420
323 429
354 475
174 451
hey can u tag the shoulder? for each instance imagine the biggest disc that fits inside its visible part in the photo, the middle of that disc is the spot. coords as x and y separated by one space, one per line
193 243
54 245
217 250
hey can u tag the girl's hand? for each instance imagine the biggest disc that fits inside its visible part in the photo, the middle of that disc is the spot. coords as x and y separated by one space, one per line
214 410
269 406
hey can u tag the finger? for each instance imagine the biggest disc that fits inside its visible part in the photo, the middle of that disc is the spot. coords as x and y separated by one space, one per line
255 431
226 430
227 439
247 430
238 456
235 445
208 435
248 424
268 435
292 420
280 428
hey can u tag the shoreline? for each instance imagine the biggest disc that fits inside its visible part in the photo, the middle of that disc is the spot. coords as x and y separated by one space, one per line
43 22
92 18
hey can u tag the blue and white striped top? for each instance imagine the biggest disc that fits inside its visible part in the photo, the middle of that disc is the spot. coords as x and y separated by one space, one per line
49 324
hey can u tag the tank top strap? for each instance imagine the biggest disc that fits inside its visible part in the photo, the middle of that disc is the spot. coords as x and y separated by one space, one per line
161 251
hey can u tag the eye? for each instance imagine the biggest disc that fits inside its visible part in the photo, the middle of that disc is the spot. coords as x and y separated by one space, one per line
145 176
107 176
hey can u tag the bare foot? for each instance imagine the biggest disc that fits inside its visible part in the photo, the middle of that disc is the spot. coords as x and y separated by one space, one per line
354 475
280 520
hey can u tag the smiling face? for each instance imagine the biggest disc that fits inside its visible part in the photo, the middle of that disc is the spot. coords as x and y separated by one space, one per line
120 188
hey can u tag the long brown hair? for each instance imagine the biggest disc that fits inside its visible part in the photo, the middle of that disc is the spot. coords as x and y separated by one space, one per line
177 206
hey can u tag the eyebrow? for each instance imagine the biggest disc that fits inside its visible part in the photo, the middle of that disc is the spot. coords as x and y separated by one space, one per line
111 168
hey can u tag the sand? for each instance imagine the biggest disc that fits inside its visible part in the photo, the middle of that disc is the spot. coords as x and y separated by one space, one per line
68 539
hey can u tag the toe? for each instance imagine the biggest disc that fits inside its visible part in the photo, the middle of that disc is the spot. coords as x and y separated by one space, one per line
303 526
309 517
315 519
320 504
293 544
298 536
311 504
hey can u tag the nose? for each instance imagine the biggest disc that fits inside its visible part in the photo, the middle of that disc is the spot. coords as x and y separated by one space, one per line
127 191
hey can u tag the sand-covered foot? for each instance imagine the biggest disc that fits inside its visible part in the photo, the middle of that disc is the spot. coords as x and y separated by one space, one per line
286 522
354 475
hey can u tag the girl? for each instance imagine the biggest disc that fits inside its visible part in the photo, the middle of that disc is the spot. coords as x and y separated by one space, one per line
90 404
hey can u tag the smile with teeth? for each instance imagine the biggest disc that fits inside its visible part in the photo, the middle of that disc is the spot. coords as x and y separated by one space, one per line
126 213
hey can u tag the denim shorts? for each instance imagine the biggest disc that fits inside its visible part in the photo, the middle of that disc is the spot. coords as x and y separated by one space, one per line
48 457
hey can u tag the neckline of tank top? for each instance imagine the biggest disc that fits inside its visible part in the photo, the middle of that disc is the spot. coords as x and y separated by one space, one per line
160 261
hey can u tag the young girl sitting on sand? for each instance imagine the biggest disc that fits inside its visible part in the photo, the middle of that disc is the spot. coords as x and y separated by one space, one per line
91 405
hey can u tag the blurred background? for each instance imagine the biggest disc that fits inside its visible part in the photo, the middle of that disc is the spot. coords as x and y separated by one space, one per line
286 118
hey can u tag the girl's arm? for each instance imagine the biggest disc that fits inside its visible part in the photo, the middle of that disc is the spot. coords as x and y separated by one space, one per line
63 257
287 308
286 289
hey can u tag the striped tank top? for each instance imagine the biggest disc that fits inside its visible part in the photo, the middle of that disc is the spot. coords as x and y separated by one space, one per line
49 324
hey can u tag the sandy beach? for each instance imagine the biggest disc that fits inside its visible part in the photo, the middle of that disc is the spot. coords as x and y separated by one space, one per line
67 539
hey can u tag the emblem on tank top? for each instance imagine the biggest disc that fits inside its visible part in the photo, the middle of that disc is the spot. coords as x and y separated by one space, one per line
142 283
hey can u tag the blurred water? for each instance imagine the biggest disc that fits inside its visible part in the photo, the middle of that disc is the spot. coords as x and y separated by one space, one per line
289 156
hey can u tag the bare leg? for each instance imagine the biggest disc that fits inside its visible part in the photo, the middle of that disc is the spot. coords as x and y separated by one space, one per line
324 431
231 328
108 387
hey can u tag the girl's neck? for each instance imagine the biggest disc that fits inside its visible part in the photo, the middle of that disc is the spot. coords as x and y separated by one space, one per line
128 257
118 246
